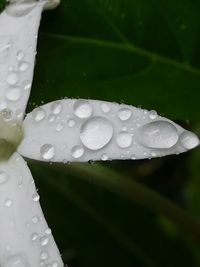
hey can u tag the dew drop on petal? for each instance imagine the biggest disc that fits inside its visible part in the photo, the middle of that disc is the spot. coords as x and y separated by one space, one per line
105 107
124 114
188 140
96 133
20 55
153 115
71 123
12 78
8 203
23 66
47 151
16 260
104 157
77 152
56 107
44 241
124 139
44 255
34 236
83 109
35 197
38 114
48 231
158 134
13 93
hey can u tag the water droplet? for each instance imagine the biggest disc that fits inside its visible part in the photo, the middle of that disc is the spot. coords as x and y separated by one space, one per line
71 123
189 140
153 115
35 219
124 114
47 151
48 231
83 109
51 118
35 197
59 126
56 107
27 85
23 66
44 241
20 9
105 107
8 203
104 157
77 152
158 134
7 114
34 237
16 261
38 114
3 177
54 264
124 140
13 93
96 133
44 255
12 78
20 55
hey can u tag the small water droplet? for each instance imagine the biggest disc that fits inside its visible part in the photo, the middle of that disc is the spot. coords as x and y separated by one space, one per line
124 139
77 152
44 241
13 93
20 9
56 107
104 157
34 236
38 114
6 114
35 219
189 140
124 114
71 123
153 115
20 55
8 203
4 177
47 151
12 78
48 231
59 126
55 264
96 133
27 85
44 255
105 107
23 66
35 197
158 134
83 109
51 118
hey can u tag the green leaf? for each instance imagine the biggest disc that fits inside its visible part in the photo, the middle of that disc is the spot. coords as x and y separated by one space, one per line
140 52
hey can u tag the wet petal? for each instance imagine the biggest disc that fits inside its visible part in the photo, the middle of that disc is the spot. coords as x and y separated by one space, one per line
18 39
26 239
82 130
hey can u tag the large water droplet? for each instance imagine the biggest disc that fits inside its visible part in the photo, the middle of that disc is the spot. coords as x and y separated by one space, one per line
47 151
158 134
189 140
20 9
77 152
13 93
124 114
16 261
38 114
3 177
124 140
83 109
12 78
96 133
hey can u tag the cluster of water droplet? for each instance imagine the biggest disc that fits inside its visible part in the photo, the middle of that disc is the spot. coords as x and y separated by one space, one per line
95 130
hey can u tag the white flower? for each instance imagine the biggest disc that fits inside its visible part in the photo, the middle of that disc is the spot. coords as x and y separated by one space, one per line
61 131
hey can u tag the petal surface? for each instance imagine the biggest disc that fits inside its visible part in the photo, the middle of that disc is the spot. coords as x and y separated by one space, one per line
82 130
19 24
25 239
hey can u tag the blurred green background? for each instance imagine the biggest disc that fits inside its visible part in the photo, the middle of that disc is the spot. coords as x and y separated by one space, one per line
141 52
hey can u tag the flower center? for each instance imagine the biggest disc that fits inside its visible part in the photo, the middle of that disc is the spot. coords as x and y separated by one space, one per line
11 134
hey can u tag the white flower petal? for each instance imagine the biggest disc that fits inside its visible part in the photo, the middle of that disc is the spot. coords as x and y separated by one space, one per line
25 239
18 38
82 130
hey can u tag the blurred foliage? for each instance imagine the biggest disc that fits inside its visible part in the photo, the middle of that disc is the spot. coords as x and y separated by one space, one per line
141 52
